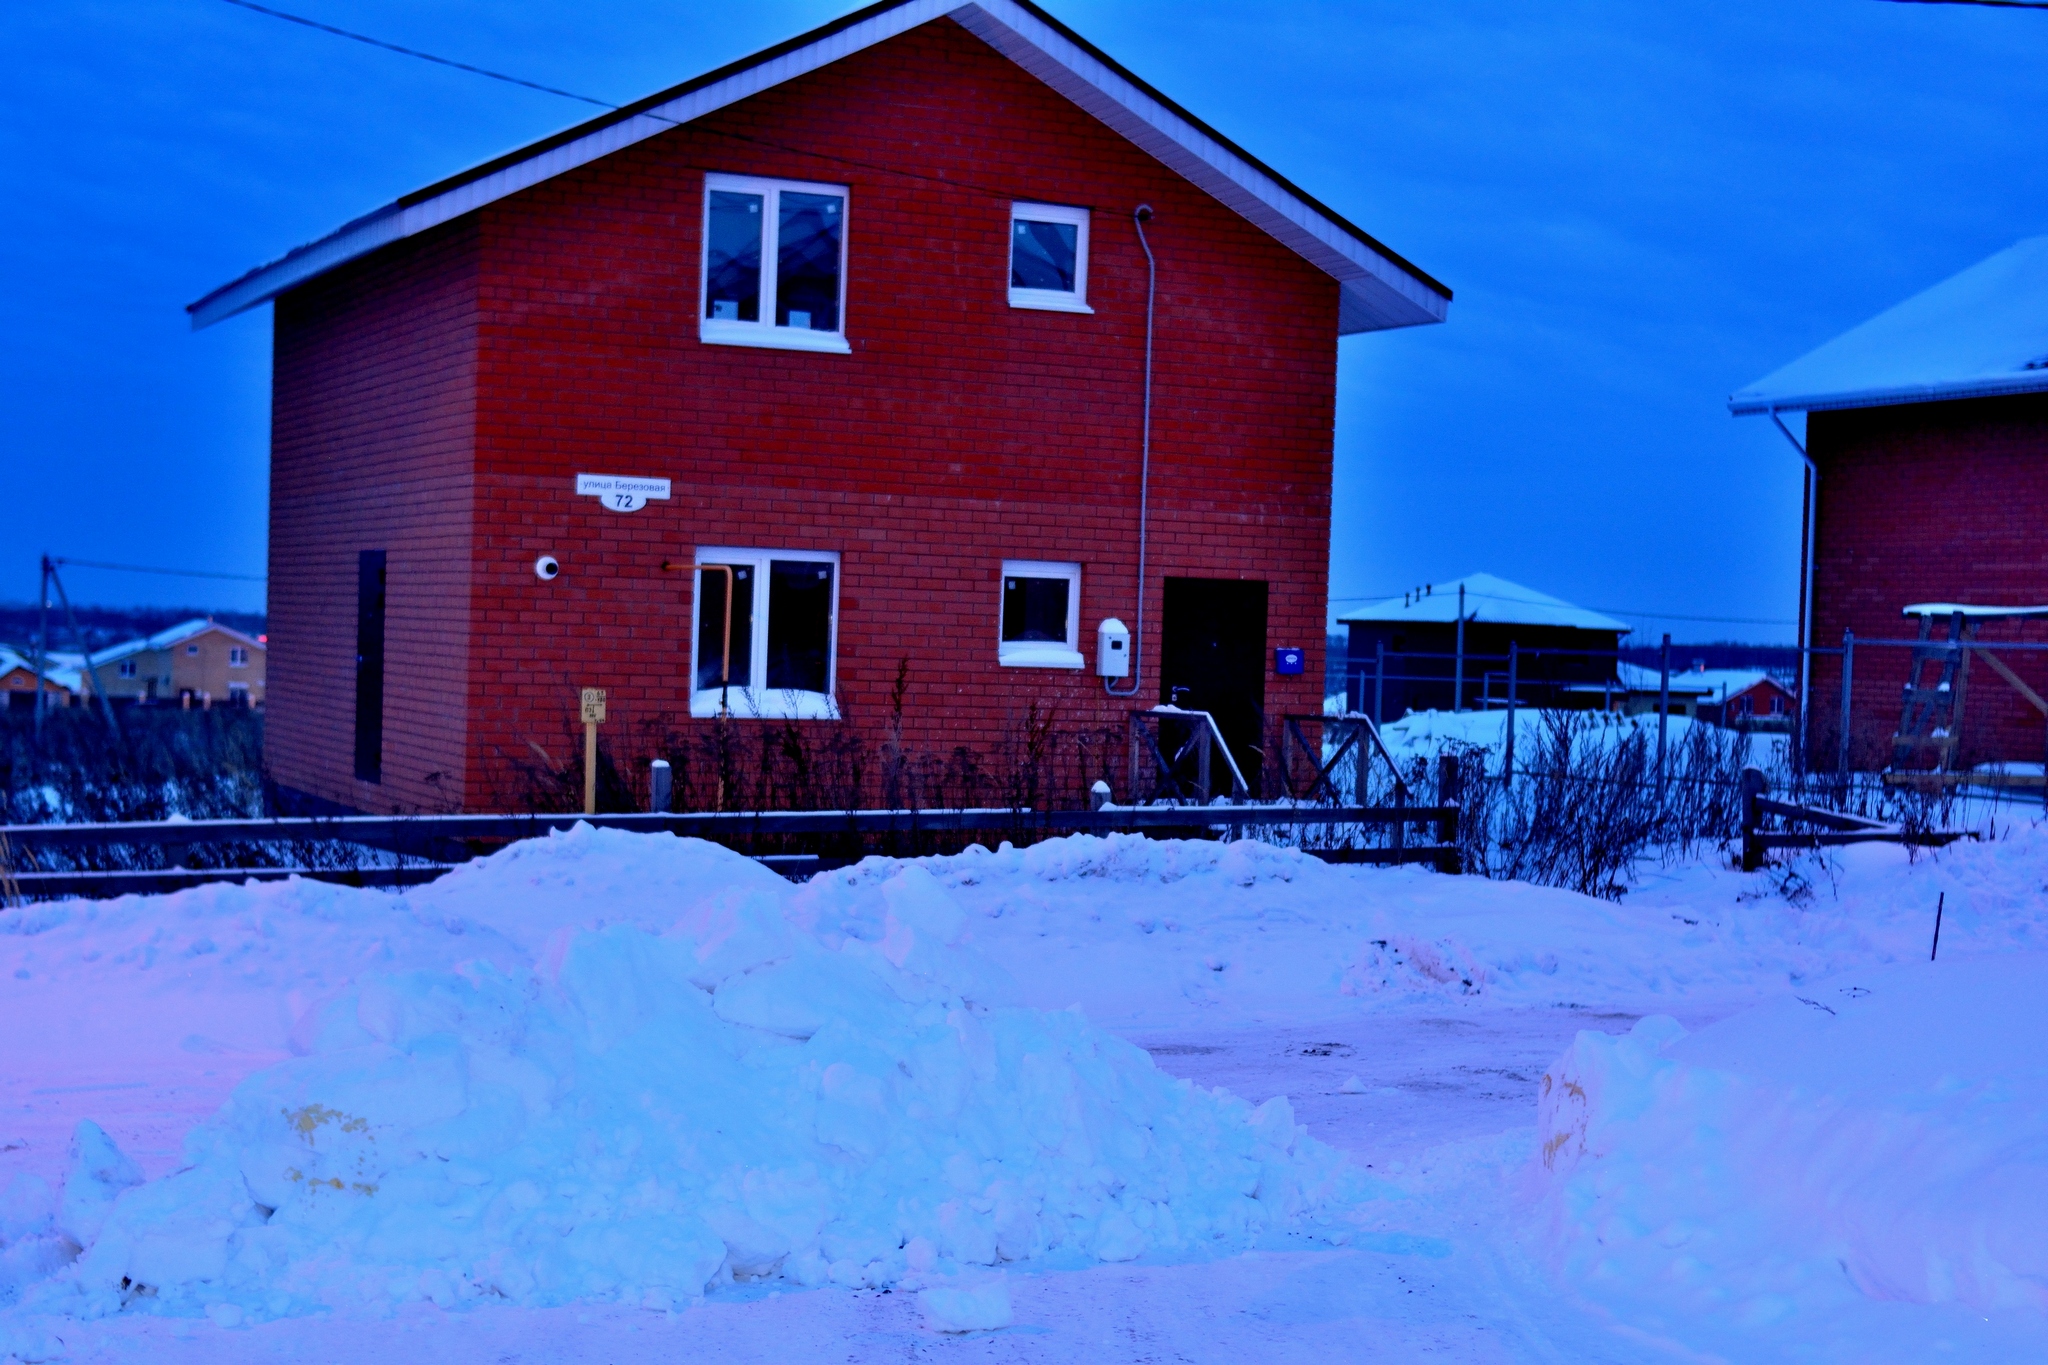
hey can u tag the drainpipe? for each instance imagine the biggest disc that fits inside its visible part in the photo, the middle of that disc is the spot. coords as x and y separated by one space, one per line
1811 509
1139 217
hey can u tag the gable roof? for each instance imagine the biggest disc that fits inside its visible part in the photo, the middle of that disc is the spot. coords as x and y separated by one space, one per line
167 638
1488 599
63 679
1978 334
1379 289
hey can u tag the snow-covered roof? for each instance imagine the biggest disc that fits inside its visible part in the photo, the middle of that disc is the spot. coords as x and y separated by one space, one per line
1693 682
168 637
11 659
1488 599
1379 289
1974 335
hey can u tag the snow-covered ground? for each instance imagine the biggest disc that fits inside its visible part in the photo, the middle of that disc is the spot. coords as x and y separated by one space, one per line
628 1097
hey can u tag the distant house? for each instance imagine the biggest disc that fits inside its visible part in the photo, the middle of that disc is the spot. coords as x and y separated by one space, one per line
18 681
1744 698
1405 654
1738 698
198 662
1927 431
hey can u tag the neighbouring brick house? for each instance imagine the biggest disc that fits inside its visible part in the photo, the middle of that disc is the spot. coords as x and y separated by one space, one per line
858 329
1928 429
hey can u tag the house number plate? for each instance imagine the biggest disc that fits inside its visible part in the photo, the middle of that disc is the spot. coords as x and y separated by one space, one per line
620 494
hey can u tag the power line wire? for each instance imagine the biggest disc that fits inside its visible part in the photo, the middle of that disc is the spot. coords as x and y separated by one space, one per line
607 104
173 573
415 52
1618 611
1987 4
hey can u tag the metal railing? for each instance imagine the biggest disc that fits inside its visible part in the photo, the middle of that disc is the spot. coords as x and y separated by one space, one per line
419 848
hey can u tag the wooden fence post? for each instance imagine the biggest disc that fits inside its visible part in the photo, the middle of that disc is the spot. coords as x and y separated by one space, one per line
593 716
1450 794
1752 849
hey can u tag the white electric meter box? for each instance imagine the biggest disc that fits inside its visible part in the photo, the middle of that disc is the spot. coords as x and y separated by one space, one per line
1112 649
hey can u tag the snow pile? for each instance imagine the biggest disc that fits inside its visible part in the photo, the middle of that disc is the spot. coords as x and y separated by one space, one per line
1885 1132
778 1085
1422 734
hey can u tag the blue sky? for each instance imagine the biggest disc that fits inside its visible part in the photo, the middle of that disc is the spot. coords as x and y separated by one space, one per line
1641 207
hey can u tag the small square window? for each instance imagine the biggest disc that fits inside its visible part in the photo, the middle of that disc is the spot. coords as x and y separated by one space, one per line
127 668
191 649
774 264
765 635
1049 257
1040 616
238 656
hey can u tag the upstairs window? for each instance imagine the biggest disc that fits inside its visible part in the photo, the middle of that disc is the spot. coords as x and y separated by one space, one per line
1041 615
1049 258
765 635
238 656
127 668
774 264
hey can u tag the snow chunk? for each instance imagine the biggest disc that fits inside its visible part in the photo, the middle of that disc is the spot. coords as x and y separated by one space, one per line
980 1306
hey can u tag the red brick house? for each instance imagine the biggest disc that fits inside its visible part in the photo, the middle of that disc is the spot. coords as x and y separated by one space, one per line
1927 429
821 371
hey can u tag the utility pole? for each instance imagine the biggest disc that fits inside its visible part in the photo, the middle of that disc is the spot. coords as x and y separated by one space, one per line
1458 673
1507 768
88 670
42 639
1379 679
1663 712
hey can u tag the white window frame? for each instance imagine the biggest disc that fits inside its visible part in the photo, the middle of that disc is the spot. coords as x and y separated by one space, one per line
1053 300
730 332
238 656
758 701
1041 653
127 668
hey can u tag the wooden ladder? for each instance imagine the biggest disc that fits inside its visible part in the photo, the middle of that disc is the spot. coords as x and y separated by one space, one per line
1929 721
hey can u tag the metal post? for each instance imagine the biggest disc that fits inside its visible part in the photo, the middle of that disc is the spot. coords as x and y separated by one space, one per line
1458 673
1848 673
1507 767
1663 710
1202 767
660 785
1379 678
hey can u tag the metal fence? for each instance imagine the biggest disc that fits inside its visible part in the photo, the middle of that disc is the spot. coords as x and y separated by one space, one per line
114 859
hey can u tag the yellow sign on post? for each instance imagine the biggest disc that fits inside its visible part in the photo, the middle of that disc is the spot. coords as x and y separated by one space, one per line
593 716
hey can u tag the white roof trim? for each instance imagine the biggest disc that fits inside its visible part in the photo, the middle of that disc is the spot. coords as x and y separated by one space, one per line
1377 291
2034 381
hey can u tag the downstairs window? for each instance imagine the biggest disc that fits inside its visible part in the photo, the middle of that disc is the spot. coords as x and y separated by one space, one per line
765 634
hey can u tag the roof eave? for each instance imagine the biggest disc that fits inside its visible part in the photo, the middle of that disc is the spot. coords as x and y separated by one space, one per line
2031 381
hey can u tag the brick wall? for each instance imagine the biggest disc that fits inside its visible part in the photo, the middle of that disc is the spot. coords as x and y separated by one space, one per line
958 433
1941 502
372 443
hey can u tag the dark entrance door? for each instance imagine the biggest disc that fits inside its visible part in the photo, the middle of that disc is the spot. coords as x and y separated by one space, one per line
1212 657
